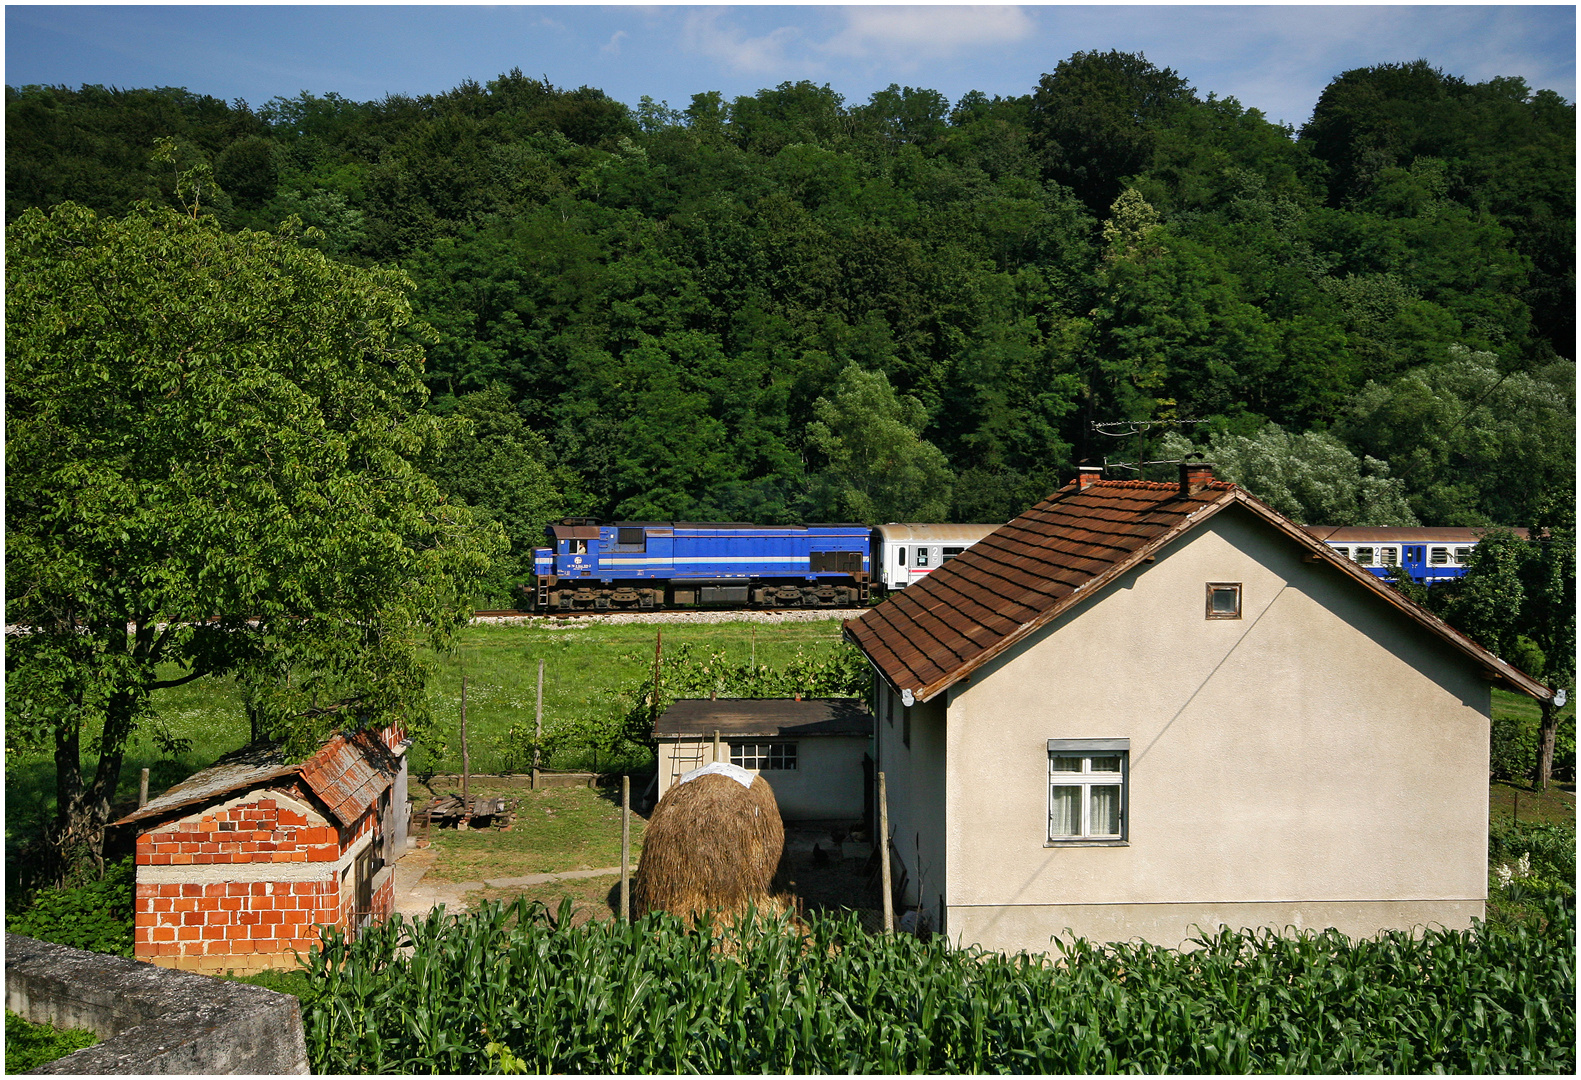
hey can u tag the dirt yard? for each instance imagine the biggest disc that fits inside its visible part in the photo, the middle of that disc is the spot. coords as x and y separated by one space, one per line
577 829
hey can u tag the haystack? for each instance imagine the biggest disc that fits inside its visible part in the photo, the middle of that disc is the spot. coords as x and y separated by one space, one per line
712 844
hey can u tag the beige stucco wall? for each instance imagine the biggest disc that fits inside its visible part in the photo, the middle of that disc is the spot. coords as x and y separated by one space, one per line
1320 761
825 785
916 793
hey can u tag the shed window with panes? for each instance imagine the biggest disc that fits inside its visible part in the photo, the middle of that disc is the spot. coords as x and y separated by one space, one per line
764 755
1087 791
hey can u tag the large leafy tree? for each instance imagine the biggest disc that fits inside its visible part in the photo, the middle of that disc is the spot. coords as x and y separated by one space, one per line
879 467
210 470
1518 598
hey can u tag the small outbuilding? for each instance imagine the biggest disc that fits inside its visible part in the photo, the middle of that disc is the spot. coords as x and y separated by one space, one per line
811 751
240 864
1143 709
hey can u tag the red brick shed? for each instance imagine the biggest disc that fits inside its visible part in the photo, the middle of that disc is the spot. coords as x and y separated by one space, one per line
240 864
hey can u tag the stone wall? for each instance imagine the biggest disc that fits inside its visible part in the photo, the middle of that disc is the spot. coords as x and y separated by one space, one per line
152 1020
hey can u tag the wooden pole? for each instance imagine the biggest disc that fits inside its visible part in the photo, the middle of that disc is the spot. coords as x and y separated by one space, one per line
883 841
658 653
466 764
625 849
142 790
537 734
716 744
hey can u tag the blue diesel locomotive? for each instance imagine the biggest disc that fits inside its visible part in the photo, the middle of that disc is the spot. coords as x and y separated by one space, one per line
643 565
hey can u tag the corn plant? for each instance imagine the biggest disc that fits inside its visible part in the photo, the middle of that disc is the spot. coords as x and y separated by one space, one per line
518 988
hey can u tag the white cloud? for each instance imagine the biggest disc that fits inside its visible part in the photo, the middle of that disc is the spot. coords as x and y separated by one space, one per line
764 55
921 33
613 44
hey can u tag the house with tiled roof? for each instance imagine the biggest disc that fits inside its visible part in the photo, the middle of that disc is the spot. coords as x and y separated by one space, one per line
1140 709
242 863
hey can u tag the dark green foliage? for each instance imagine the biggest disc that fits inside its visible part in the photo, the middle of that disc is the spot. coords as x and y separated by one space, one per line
519 989
29 1045
1513 751
1549 851
95 915
665 294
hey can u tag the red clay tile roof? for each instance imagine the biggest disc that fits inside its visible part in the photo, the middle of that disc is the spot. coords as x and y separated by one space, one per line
1066 548
348 775
351 774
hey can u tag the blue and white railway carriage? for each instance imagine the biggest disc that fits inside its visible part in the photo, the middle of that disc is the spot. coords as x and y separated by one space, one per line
904 553
1428 555
653 564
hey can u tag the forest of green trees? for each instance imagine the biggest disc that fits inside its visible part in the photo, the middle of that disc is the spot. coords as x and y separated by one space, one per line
790 307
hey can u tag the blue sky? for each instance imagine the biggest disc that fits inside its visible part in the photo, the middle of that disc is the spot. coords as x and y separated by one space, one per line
1275 58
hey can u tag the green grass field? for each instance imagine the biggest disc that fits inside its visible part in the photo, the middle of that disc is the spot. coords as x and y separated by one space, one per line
586 670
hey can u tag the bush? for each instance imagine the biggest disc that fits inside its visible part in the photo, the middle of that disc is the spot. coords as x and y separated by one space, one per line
29 1045
97 916
518 989
1512 751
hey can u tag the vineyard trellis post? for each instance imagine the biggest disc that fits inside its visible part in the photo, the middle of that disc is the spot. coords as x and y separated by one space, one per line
466 764
883 840
537 734
142 790
625 849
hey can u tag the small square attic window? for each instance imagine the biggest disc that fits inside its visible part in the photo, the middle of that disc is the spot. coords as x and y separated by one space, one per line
1224 600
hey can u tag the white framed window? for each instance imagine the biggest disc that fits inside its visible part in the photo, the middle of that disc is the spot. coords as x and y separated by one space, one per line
1087 791
1342 552
1364 556
1438 556
1462 554
922 556
764 756
1388 556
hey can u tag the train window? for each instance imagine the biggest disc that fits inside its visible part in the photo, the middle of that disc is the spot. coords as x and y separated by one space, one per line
1364 556
1388 556
902 553
579 547
1438 556
950 553
922 556
1224 600
1342 552
1462 554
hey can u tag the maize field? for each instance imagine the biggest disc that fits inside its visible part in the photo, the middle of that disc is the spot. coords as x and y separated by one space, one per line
518 989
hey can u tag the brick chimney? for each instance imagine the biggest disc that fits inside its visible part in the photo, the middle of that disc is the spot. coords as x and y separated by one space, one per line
1194 476
1088 475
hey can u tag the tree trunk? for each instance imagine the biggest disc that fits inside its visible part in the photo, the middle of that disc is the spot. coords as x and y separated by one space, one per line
1545 745
82 811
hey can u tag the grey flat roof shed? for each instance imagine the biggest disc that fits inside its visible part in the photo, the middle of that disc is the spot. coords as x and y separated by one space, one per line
774 718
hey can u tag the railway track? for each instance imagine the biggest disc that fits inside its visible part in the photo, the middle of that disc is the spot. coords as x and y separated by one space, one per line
682 615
